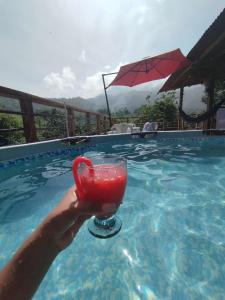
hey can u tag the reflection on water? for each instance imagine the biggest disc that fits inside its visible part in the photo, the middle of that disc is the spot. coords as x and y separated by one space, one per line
172 243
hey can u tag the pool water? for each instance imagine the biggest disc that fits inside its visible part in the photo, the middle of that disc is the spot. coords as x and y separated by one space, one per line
171 245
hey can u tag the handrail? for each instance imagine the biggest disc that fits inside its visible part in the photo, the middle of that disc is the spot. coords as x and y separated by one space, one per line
11 129
28 115
10 93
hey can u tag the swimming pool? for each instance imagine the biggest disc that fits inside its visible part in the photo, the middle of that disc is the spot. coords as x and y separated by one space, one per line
172 243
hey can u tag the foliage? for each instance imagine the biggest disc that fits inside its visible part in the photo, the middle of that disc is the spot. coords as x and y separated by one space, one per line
219 91
121 112
50 124
11 122
163 109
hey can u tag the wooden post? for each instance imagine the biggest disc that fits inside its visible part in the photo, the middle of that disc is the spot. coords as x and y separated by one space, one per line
210 103
98 123
28 120
88 122
104 124
71 121
181 124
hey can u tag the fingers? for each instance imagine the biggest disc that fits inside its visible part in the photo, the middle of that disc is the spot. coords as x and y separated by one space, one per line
70 209
77 225
88 208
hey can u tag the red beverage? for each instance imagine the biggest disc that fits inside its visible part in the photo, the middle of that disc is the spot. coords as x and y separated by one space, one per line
107 184
103 180
104 183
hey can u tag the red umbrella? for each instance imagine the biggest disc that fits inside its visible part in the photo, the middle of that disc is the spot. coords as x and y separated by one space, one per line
152 68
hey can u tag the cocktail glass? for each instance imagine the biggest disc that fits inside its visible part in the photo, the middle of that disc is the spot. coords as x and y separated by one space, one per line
102 178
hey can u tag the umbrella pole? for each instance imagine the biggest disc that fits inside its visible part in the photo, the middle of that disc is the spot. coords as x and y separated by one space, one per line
106 98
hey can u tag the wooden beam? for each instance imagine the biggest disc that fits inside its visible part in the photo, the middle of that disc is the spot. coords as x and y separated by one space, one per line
71 121
5 130
98 124
88 122
11 112
28 121
10 93
212 45
105 124
181 124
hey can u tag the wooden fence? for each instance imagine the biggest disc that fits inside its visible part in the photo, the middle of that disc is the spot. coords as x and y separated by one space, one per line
76 121
140 120
93 122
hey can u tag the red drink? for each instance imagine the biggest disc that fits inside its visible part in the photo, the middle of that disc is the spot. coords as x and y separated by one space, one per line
107 184
103 181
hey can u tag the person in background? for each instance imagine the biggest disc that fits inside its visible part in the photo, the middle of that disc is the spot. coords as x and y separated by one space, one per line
23 274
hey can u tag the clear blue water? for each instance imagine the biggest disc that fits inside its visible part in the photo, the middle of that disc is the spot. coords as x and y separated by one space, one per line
172 243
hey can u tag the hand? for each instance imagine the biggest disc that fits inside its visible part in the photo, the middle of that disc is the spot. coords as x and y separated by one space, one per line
63 223
23 274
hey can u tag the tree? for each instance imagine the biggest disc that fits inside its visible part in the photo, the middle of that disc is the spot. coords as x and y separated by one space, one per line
163 110
219 92
11 122
52 124
121 112
103 111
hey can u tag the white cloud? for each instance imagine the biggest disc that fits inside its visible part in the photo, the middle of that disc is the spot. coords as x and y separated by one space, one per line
61 82
93 85
141 13
65 84
82 57
142 9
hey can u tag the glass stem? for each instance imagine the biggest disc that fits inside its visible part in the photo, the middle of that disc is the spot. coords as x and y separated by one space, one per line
105 222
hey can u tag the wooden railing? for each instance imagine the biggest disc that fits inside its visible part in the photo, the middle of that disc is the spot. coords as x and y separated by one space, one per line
36 125
140 120
92 122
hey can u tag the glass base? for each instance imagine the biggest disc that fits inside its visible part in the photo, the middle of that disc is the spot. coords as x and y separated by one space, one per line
104 228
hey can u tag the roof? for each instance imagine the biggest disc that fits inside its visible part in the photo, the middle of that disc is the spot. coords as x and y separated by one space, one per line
207 56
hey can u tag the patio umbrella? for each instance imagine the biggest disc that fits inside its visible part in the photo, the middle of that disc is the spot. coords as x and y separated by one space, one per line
151 68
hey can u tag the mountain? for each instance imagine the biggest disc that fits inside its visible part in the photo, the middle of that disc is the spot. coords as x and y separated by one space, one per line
132 99
135 98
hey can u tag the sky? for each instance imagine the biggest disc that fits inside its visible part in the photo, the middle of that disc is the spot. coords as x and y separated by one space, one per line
60 48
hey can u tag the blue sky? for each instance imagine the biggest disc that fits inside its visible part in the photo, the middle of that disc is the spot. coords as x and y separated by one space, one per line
57 48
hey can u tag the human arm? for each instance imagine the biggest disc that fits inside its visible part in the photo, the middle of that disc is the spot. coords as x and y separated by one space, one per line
24 272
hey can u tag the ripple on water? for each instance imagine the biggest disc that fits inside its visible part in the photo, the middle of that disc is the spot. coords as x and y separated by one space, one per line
172 243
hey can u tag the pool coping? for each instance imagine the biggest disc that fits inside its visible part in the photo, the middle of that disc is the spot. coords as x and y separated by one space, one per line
15 154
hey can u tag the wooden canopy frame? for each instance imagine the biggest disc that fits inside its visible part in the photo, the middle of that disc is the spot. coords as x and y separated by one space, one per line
208 64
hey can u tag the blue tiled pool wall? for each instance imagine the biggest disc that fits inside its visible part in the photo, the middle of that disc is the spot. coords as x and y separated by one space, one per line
54 153
98 142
